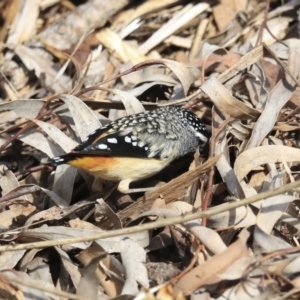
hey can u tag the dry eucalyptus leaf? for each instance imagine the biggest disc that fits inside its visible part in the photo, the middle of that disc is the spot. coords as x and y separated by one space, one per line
77 22
279 27
108 272
226 171
27 108
207 273
186 75
39 268
37 140
15 212
9 259
225 102
19 291
135 270
53 213
205 235
182 17
280 95
271 210
35 61
209 49
57 135
32 188
8 182
111 245
24 28
240 217
88 285
254 157
64 182
102 208
123 50
131 103
84 118
70 267
237 269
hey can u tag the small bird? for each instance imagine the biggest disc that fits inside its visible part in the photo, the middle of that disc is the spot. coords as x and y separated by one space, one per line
138 146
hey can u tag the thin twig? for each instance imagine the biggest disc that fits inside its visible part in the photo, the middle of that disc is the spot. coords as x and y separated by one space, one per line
263 24
157 224
212 144
33 285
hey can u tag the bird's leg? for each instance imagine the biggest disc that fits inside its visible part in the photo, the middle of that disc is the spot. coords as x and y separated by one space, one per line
123 187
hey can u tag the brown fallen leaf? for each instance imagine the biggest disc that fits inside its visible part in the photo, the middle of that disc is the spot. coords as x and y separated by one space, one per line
258 156
207 273
223 99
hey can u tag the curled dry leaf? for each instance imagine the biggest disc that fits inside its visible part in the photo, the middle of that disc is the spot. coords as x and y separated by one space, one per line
53 213
64 174
9 259
225 102
186 75
107 272
252 158
24 28
88 285
69 266
182 17
64 179
209 49
280 95
279 28
205 235
226 171
103 209
208 237
37 140
32 188
85 119
207 273
292 266
24 108
240 217
131 103
122 49
25 286
143 87
34 60
15 212
135 270
8 182
66 143
271 210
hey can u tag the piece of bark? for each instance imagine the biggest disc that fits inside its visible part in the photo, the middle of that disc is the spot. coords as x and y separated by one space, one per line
72 26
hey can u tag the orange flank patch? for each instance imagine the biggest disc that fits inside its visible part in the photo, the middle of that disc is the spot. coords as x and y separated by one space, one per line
120 168
92 163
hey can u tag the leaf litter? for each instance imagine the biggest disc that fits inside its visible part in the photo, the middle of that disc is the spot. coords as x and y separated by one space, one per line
70 67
